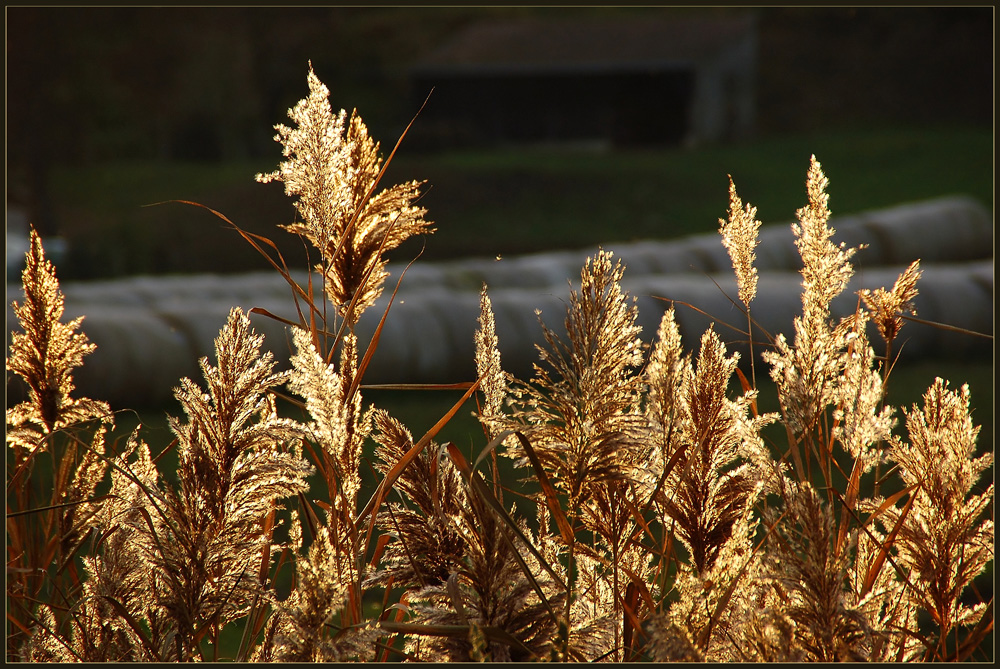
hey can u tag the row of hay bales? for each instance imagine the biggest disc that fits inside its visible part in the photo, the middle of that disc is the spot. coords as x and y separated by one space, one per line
151 331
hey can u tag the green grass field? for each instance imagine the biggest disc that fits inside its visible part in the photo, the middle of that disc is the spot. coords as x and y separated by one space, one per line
525 200
513 200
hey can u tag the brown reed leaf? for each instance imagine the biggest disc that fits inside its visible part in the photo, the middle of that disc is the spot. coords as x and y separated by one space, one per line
397 469
551 499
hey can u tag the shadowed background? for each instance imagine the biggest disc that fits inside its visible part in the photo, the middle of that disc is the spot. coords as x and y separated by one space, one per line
110 109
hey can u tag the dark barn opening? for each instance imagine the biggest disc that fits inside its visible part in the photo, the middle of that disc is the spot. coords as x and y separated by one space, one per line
627 82
623 108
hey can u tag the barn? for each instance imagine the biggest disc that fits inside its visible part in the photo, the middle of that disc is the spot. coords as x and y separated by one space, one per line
633 80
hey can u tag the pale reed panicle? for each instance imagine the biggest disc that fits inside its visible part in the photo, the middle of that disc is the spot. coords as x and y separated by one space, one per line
333 168
425 520
739 236
888 307
717 473
338 426
582 411
49 517
807 373
44 356
306 626
492 379
234 465
947 538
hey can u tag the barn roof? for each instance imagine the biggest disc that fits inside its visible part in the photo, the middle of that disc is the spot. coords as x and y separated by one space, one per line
610 42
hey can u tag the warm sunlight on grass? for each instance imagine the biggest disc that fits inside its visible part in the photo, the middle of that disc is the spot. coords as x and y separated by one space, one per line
639 497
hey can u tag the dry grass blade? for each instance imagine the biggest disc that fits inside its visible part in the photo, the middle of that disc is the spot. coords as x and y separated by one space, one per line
630 623
462 385
455 595
876 566
265 553
373 344
849 502
702 312
388 647
123 612
642 527
747 387
399 141
284 321
491 447
487 496
667 469
884 546
105 535
945 326
166 449
253 239
380 545
551 498
254 622
397 469
14 514
18 623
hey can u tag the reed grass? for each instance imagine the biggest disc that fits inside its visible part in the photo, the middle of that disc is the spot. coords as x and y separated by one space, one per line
633 500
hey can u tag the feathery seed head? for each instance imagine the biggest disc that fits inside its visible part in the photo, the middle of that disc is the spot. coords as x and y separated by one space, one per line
492 379
585 422
888 307
232 469
826 267
739 236
333 168
44 355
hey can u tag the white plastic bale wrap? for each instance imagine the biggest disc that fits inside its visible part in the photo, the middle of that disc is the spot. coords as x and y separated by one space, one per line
150 331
